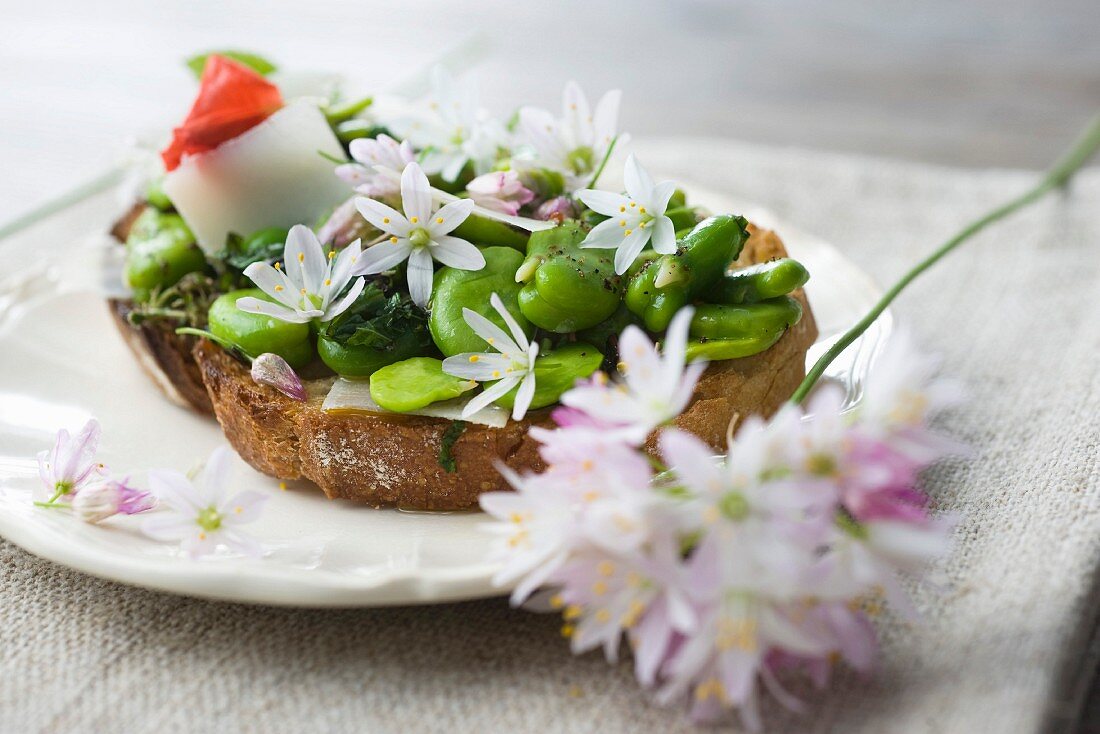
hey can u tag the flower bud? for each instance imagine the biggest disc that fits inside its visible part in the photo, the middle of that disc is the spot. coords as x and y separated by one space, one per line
500 191
556 209
271 369
110 497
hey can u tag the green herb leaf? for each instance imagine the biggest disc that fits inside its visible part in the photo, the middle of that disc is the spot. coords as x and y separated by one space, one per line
447 443
257 63
377 321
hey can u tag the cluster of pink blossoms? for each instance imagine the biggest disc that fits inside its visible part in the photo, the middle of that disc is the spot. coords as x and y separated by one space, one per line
723 572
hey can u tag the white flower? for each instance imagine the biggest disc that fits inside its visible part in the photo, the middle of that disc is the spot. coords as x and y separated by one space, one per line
454 129
656 386
514 365
419 235
368 153
577 143
901 394
536 529
201 515
636 219
305 284
71 465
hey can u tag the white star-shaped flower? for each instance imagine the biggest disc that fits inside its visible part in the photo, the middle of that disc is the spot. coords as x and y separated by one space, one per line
514 365
306 283
578 142
636 219
420 235
453 129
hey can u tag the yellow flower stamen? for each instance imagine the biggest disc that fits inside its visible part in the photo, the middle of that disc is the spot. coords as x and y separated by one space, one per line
301 257
605 568
599 588
393 240
603 615
385 220
439 220
627 232
414 220
474 358
279 288
572 612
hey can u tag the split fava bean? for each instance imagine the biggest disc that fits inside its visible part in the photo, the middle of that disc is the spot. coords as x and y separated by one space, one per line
415 383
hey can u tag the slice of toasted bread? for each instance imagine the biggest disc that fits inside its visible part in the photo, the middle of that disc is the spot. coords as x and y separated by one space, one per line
395 460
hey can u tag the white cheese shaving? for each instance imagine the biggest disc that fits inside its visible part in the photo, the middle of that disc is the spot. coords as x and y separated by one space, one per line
270 176
354 396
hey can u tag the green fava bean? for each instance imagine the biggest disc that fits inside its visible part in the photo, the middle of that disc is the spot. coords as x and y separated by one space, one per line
487 232
254 334
556 371
457 289
159 251
567 289
759 282
714 350
415 383
669 282
723 321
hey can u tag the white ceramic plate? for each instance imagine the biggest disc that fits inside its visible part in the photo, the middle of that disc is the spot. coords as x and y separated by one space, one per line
62 362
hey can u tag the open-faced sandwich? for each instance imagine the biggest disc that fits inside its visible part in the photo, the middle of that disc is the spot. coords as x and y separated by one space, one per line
386 304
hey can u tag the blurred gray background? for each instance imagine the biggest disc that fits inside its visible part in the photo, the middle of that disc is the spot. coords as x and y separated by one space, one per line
959 82
971 83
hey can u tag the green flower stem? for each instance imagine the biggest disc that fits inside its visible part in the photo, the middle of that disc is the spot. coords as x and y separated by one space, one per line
603 163
60 203
52 501
223 343
1059 175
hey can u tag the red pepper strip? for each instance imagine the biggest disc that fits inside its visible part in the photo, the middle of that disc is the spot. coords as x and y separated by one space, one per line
232 99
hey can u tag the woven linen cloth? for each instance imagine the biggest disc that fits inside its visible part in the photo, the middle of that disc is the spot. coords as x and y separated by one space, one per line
1004 639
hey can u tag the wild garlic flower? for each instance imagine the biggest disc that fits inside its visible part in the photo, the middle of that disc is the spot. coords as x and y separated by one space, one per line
635 219
367 153
420 235
514 363
576 144
201 515
70 465
452 129
656 385
306 284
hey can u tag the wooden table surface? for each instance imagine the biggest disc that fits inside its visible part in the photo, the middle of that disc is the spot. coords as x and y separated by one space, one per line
968 83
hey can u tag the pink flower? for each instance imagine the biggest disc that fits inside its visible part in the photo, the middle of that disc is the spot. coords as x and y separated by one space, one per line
368 153
656 385
500 191
71 465
108 498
